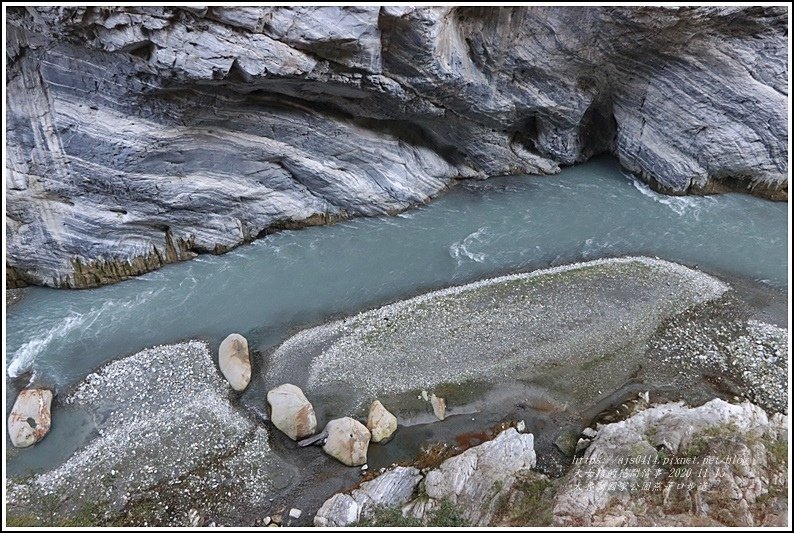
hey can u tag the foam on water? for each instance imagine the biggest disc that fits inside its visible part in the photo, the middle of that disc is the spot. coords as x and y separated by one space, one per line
78 324
23 358
680 205
462 250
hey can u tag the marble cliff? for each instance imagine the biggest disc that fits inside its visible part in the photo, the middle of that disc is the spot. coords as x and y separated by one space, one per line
141 136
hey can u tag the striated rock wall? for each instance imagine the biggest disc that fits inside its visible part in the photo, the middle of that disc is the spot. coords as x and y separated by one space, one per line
140 136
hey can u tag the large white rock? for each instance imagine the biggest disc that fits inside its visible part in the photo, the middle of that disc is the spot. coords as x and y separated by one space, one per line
234 361
291 412
30 417
380 422
476 480
348 441
750 435
391 489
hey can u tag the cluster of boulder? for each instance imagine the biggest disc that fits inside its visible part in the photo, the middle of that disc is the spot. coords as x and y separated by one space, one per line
477 482
345 439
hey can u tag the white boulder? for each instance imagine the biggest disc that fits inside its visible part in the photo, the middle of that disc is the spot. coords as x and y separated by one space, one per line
30 417
380 422
234 361
348 441
291 412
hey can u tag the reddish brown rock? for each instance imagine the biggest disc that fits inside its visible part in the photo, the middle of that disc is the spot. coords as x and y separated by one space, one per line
30 417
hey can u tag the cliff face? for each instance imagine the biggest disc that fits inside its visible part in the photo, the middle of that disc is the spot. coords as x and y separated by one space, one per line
140 136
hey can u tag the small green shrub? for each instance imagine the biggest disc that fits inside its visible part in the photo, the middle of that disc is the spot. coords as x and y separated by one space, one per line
389 517
533 507
447 515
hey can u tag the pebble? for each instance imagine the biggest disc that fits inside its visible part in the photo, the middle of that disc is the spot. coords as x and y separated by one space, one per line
581 445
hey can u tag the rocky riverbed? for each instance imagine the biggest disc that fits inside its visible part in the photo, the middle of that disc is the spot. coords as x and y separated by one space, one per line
567 349
718 464
13 296
601 325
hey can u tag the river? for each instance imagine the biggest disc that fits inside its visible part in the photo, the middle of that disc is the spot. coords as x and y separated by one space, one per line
292 279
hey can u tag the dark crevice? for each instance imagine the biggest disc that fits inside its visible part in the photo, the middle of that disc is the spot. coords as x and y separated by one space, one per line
597 130
144 50
237 74
410 132
525 132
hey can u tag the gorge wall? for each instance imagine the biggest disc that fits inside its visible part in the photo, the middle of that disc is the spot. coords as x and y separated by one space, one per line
141 136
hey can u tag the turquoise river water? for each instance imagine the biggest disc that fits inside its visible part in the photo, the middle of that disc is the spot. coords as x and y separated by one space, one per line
293 279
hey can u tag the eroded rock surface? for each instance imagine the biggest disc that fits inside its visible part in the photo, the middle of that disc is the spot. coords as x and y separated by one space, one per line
474 481
30 417
737 456
395 487
140 136
717 464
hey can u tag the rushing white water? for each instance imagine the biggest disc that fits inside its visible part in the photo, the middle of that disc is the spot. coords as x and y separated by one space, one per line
294 279
680 205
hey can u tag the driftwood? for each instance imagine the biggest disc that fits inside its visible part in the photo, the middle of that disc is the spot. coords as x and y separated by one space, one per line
317 440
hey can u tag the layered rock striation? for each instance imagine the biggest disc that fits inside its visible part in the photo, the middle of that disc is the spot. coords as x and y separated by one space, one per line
141 136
